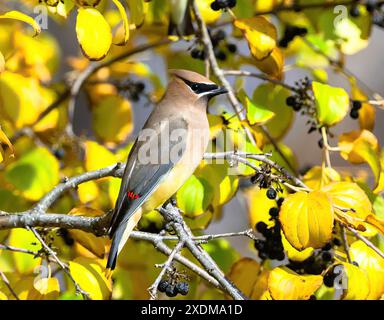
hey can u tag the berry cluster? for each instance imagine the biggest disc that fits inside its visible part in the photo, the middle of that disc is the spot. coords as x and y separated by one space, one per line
264 179
171 290
356 106
172 286
319 261
300 99
272 247
222 4
290 33
221 47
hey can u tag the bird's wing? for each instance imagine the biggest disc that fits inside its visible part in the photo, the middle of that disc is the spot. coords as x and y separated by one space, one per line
141 179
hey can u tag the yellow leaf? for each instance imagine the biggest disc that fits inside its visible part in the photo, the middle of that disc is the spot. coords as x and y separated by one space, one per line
2 63
94 244
371 262
307 219
357 283
367 113
20 98
125 22
112 119
49 288
260 34
97 157
208 15
136 11
3 296
88 191
316 177
348 195
294 254
361 146
273 64
94 41
6 147
244 274
284 284
91 278
16 15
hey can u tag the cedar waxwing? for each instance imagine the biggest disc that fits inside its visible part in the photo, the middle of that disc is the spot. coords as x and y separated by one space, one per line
176 135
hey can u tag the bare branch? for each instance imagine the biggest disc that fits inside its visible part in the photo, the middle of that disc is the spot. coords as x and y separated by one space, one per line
172 215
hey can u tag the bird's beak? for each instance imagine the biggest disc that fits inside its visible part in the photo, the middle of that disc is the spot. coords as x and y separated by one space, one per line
216 92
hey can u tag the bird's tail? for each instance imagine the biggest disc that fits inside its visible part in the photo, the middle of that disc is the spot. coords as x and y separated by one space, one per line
120 237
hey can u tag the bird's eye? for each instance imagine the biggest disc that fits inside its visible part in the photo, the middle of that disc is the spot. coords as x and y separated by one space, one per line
195 87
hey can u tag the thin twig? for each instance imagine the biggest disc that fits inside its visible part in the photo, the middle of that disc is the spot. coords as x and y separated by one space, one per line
6 282
51 253
366 241
166 266
345 241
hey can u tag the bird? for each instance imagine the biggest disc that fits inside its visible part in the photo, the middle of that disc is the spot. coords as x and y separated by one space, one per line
165 154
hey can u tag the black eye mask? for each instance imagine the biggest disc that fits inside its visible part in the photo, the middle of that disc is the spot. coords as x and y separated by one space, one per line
200 87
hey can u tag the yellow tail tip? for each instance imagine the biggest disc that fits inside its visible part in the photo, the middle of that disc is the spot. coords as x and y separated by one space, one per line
108 273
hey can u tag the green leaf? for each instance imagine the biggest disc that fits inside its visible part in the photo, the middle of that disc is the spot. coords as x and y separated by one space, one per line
136 11
22 238
194 196
272 98
34 174
331 103
257 113
222 253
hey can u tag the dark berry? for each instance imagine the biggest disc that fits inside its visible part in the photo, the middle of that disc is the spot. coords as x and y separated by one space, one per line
327 247
231 3
354 114
280 256
263 255
329 279
274 212
280 202
215 6
356 104
354 11
220 55
231 47
290 101
219 35
182 288
261 227
283 43
301 31
140 86
264 184
336 241
370 6
320 143
326 256
271 193
311 129
171 291
297 107
259 245
355 263
59 153
312 297
163 285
